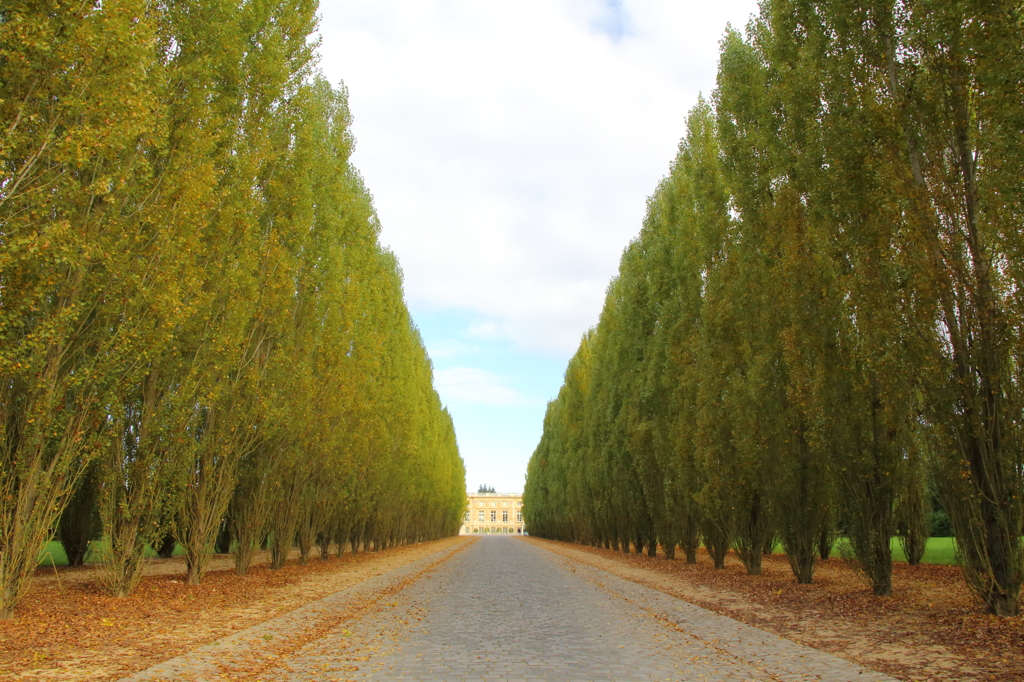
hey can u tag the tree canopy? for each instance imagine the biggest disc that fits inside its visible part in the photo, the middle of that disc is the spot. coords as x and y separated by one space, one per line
194 304
820 318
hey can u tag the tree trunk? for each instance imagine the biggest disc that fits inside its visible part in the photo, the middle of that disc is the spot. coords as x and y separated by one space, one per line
80 522
717 543
753 532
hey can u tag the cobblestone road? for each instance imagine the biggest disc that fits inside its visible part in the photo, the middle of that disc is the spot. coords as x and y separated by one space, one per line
505 609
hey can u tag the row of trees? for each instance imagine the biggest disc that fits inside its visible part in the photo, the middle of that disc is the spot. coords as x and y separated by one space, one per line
822 312
197 321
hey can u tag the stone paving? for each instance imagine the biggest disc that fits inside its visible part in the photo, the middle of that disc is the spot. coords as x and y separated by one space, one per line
505 609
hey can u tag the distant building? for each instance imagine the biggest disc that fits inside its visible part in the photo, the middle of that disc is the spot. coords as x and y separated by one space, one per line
500 513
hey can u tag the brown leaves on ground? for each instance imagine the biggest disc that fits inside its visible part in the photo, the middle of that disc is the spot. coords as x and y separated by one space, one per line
69 629
930 629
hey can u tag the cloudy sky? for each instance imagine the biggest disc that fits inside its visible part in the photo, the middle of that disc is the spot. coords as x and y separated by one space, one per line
510 147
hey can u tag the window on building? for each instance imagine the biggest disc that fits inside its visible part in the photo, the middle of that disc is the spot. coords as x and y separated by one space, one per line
519 517
481 515
504 516
494 516
467 515
494 504
479 504
504 504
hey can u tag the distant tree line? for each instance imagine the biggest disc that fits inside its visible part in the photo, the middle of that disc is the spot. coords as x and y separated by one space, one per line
821 317
197 321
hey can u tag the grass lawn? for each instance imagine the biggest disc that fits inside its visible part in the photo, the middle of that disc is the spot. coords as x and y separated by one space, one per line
54 554
938 551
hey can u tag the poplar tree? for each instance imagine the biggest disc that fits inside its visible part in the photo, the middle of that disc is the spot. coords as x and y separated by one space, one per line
81 262
856 324
193 300
952 80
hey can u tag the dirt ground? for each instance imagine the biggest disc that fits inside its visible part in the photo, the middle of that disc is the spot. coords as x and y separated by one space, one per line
68 629
930 629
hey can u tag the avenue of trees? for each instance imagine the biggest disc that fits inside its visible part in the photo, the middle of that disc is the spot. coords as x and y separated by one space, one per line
200 334
820 324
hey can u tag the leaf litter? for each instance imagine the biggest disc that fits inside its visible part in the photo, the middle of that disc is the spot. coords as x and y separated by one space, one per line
67 628
930 629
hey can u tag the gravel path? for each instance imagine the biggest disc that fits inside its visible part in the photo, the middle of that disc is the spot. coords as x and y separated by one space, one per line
504 609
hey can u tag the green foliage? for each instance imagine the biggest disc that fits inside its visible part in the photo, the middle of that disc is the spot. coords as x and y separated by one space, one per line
193 296
821 314
940 526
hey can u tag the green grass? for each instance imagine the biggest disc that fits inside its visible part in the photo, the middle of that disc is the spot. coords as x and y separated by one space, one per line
937 551
53 553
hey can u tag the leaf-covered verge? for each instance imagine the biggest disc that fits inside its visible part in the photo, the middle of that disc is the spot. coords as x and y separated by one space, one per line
929 629
819 330
74 630
201 337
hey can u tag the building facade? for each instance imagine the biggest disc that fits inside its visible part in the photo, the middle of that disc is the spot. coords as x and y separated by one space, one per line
493 513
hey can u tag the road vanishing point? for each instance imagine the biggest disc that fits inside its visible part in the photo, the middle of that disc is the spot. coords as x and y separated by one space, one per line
503 608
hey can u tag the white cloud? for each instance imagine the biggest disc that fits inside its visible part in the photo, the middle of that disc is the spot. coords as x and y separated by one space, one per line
474 386
511 146
452 348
